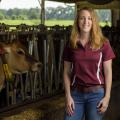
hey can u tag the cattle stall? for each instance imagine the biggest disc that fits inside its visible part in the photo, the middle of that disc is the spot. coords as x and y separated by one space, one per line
46 44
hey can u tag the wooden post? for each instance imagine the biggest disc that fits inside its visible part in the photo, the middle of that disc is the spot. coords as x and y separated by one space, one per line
115 16
42 12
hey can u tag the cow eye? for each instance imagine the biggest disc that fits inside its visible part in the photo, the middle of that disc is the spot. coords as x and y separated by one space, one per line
21 52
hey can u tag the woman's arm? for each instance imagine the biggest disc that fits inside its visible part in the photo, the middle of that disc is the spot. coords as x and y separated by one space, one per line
69 100
67 67
108 77
107 65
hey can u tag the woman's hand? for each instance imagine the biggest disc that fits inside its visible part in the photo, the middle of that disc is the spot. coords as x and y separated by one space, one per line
70 105
103 105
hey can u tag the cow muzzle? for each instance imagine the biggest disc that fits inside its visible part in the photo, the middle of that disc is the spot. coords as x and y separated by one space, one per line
36 66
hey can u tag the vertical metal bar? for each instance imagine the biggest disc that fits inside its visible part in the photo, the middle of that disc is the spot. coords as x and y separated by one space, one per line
45 66
27 85
31 84
54 65
7 93
50 64
22 87
60 62
36 55
35 84
35 48
40 83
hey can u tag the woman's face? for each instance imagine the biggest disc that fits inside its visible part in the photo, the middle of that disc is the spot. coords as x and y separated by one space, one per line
85 21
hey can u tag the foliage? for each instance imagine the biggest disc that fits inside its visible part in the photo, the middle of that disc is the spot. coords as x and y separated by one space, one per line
20 14
1 16
104 15
58 13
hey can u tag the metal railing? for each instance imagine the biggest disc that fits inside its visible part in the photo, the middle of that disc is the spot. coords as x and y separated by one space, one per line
46 44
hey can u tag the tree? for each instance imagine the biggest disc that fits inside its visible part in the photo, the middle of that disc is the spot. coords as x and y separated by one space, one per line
13 17
33 14
1 16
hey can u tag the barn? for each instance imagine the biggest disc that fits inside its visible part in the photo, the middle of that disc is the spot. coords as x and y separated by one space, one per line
39 94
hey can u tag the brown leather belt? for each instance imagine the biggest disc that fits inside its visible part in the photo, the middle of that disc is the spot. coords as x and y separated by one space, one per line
86 89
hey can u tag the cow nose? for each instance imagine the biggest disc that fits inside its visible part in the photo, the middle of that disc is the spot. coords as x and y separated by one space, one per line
36 66
39 65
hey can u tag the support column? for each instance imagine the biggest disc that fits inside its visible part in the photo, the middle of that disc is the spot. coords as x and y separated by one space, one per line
115 16
42 12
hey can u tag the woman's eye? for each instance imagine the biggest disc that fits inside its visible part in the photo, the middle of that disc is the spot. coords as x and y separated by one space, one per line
89 18
81 18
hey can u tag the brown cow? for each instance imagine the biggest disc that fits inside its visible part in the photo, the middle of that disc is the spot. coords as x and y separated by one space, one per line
18 60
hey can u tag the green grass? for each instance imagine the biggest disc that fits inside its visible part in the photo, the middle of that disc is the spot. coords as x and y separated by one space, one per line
17 22
59 22
47 22
36 22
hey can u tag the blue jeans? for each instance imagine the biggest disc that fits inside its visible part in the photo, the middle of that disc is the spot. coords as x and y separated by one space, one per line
86 105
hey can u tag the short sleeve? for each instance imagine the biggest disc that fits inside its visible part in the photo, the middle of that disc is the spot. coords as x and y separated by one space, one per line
107 51
67 54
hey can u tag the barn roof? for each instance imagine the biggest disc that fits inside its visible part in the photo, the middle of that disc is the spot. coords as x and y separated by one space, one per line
92 1
98 4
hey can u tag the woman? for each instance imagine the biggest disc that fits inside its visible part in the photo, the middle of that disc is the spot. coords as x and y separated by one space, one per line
87 69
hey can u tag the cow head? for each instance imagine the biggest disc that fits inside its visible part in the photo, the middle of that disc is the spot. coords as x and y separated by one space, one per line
18 58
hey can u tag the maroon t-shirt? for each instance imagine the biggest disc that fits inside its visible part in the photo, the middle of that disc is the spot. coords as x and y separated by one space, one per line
87 64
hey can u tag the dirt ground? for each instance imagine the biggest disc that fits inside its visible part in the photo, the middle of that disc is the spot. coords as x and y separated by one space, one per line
47 109
53 109
113 112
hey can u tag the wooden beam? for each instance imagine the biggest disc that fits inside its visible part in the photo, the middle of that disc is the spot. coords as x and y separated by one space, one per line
113 5
42 12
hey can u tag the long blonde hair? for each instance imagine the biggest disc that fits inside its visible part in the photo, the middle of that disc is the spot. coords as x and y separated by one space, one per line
97 38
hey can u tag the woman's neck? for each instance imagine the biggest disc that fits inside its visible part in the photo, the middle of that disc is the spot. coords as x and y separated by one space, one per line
84 39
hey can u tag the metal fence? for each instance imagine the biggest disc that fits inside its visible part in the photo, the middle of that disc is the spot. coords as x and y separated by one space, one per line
46 45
